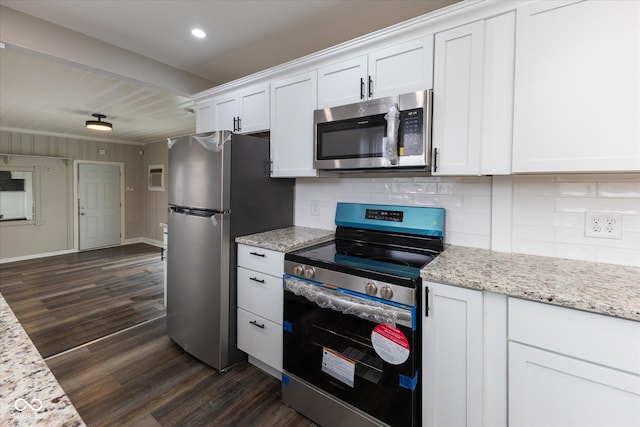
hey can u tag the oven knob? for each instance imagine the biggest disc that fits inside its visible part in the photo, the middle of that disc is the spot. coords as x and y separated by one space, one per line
298 270
386 292
370 288
309 272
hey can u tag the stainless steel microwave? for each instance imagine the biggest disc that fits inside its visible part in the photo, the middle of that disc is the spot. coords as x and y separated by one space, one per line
385 133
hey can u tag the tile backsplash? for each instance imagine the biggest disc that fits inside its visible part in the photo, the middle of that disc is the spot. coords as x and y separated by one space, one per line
467 202
547 211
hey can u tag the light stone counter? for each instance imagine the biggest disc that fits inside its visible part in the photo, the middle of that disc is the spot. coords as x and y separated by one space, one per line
29 393
599 288
287 239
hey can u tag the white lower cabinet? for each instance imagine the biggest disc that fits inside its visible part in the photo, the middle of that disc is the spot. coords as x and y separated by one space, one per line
572 368
260 296
260 338
464 357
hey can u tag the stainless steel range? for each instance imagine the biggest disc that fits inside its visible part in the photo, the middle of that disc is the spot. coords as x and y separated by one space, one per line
352 309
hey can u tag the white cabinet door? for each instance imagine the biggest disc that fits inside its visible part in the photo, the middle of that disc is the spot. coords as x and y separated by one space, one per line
403 68
254 109
204 117
225 111
452 360
342 83
577 83
473 98
293 101
260 338
260 294
549 389
457 100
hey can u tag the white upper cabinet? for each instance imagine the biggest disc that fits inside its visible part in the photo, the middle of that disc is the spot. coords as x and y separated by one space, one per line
204 117
253 114
473 98
242 111
293 101
577 84
343 83
402 68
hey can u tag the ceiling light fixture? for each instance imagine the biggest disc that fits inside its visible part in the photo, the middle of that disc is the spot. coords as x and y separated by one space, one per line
198 33
99 124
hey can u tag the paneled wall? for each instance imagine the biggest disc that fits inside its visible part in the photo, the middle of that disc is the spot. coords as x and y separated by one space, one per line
156 201
28 239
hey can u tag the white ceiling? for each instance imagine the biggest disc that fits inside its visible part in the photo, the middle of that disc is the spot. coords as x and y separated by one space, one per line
136 62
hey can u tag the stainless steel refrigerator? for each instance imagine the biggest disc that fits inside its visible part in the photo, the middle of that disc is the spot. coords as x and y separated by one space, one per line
219 189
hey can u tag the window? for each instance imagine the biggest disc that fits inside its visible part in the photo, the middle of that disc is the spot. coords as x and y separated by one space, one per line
156 177
16 195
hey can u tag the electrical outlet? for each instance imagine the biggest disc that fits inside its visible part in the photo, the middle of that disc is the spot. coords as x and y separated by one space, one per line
315 211
604 225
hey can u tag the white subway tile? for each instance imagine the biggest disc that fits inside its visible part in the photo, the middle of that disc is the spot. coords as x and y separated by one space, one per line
578 252
619 256
533 233
620 189
415 187
590 204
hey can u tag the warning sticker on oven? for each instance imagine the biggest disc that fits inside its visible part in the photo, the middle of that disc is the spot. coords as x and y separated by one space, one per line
390 344
338 366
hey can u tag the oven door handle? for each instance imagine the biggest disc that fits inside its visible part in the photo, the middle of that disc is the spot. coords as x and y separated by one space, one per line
367 309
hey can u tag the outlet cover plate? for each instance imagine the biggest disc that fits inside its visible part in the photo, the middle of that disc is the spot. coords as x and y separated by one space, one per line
603 225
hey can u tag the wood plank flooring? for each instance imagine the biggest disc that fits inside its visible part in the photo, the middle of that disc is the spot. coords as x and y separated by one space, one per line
123 369
68 300
140 377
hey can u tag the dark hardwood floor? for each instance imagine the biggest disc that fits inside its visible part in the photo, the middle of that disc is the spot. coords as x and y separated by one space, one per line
122 369
140 377
68 300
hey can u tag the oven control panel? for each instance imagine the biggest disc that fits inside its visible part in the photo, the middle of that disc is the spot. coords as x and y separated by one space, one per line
336 279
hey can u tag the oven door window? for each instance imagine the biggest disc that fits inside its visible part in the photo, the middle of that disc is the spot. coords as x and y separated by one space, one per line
353 138
333 351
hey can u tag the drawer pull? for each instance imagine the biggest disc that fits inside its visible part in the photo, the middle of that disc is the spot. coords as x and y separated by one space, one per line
254 323
257 254
255 279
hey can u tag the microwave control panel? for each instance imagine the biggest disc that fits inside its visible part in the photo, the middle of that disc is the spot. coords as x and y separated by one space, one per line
411 132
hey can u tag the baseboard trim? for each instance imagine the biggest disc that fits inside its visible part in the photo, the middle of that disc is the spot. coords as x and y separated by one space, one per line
34 256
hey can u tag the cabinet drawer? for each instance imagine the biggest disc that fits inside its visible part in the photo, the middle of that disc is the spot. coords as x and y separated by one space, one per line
260 294
258 259
260 338
593 337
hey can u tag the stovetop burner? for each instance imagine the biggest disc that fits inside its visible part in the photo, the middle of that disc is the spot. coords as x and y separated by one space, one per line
361 256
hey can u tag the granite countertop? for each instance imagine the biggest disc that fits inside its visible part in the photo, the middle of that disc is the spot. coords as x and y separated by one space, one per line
287 239
29 393
608 289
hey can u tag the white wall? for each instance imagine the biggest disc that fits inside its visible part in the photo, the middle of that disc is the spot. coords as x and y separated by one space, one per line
547 211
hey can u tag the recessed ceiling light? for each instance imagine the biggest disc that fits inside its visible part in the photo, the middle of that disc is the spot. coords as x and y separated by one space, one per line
197 32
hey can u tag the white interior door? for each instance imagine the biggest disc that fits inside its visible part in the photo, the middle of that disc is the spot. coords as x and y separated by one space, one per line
99 205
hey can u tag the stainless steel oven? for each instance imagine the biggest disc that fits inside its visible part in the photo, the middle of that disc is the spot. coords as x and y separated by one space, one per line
392 132
352 317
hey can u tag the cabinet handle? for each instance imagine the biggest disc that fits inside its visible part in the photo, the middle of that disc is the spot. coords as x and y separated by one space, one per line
255 279
426 301
254 323
234 124
257 254
370 87
361 88
239 124
435 160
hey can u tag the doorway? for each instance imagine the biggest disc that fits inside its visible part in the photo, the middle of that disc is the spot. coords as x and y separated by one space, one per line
99 205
